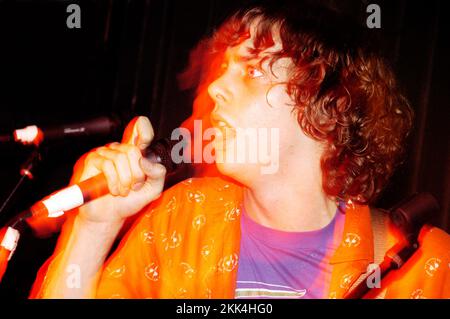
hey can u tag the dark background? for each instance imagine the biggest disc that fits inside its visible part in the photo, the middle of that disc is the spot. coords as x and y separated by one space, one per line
125 59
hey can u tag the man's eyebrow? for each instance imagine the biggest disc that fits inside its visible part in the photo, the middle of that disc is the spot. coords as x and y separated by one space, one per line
245 58
259 58
240 58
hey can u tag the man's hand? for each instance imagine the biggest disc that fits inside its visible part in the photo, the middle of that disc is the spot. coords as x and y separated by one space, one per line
133 181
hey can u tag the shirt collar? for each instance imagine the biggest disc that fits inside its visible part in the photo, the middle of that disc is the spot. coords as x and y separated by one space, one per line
357 239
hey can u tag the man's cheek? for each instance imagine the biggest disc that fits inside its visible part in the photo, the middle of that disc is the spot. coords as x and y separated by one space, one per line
277 96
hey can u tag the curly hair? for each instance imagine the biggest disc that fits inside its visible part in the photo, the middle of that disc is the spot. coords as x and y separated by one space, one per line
345 93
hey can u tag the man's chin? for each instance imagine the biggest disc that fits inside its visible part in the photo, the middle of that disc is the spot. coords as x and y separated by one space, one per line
226 168
237 171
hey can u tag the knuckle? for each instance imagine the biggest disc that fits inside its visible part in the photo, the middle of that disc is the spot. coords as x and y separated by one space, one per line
135 154
108 165
101 150
113 144
121 158
126 178
91 156
139 175
134 150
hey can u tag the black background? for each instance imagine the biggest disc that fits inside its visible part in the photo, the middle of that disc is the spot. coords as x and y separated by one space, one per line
125 59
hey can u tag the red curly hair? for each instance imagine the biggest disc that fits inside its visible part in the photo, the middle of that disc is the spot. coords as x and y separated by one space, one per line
344 91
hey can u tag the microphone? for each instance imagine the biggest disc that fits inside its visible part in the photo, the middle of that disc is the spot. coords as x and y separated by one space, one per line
411 214
33 134
79 194
74 196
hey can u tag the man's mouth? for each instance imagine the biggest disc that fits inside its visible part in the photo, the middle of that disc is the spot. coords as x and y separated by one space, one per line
220 122
223 126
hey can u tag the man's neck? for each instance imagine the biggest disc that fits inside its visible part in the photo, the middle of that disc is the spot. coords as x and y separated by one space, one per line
293 201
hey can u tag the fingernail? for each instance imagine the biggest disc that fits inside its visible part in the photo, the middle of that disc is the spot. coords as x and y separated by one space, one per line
146 164
137 186
160 169
125 192
114 191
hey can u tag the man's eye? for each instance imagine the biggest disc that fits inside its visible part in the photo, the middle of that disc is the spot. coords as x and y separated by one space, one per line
254 72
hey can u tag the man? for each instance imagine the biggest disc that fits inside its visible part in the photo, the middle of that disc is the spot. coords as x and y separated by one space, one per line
303 231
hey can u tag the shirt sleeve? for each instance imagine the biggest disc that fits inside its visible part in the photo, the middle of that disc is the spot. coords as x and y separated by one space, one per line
425 275
128 272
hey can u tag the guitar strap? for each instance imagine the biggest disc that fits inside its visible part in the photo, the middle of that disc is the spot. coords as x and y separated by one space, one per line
379 220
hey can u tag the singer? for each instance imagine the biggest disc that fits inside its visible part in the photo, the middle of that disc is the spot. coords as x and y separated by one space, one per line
303 231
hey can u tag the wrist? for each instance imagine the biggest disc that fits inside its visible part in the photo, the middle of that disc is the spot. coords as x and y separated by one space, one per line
101 228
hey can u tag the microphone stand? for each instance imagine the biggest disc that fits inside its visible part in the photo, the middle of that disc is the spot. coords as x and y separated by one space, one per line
10 234
26 173
71 197
394 259
9 237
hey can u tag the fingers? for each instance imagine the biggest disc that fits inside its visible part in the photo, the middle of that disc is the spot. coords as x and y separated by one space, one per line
152 170
107 167
134 156
120 165
122 168
139 132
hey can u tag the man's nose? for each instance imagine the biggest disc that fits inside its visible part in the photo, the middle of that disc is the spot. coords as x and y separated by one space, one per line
218 92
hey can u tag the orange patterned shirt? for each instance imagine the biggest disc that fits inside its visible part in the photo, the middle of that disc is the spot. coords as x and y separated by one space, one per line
186 245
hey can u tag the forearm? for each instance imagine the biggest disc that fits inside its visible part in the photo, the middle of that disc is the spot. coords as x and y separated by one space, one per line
76 268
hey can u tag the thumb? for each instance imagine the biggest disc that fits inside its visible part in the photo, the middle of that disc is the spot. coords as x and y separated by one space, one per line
139 132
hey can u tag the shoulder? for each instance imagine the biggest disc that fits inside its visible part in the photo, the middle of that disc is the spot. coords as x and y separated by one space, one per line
193 197
430 237
211 185
203 191
435 241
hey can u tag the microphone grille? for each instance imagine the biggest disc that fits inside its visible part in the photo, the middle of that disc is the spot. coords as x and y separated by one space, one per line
160 152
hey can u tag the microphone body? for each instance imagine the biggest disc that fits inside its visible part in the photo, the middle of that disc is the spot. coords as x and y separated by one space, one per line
98 126
79 194
33 134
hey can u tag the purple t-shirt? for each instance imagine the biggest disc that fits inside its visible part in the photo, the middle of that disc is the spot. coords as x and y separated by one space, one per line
278 264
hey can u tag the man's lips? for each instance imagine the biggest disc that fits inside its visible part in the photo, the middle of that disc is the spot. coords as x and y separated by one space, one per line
220 122
225 130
